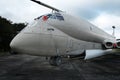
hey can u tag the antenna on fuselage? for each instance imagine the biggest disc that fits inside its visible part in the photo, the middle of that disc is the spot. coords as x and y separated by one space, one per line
45 5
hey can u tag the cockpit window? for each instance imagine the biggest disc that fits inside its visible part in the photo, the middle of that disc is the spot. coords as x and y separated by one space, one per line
57 16
53 17
49 15
39 17
60 18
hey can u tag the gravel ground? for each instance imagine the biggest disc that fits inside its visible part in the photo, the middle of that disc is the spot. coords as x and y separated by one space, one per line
26 67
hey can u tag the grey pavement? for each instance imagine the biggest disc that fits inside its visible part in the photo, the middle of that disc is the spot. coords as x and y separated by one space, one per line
26 67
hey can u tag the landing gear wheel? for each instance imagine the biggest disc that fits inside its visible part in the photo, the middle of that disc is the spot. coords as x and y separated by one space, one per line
55 60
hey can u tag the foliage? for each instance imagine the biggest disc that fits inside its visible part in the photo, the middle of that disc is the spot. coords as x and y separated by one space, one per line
7 31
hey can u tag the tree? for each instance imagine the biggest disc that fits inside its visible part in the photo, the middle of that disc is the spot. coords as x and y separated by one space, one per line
8 31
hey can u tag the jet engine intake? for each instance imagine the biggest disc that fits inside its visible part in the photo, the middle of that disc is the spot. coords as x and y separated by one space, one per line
118 44
108 45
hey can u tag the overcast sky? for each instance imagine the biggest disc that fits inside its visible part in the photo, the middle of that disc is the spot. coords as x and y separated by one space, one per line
102 13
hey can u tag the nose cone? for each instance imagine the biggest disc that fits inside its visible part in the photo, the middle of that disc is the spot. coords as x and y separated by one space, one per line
16 43
13 44
25 43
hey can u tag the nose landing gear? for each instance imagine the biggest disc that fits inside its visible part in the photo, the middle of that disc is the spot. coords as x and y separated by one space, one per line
55 60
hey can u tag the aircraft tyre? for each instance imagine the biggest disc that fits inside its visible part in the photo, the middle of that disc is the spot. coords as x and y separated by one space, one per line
55 60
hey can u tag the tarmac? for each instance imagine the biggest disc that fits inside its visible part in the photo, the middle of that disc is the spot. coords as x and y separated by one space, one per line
26 67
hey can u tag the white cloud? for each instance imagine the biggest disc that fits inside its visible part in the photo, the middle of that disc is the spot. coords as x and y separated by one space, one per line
106 21
26 10
103 13
21 10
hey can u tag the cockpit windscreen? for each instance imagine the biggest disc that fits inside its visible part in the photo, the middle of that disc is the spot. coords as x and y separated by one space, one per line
57 16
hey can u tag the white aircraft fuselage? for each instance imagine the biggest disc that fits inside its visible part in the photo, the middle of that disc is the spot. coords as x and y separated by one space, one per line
60 34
